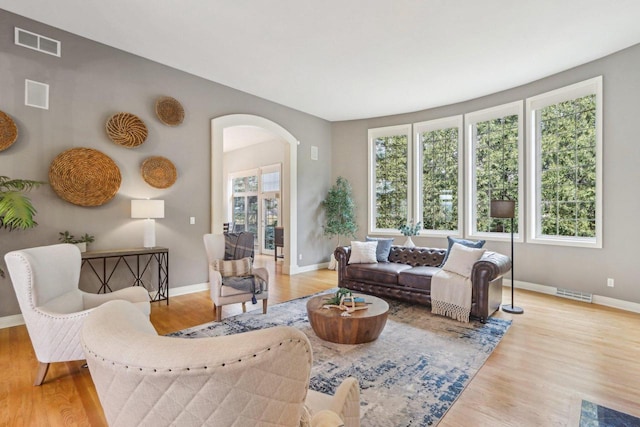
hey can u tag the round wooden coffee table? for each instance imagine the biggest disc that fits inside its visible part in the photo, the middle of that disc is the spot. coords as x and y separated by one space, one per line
361 327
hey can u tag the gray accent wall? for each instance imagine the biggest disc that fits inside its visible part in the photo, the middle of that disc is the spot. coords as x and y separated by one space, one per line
91 82
581 269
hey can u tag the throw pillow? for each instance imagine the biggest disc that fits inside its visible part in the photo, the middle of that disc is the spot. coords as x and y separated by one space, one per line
461 259
236 267
384 247
463 242
363 253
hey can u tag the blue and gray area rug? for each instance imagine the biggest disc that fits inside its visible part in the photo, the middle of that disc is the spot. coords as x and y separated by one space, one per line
409 376
594 415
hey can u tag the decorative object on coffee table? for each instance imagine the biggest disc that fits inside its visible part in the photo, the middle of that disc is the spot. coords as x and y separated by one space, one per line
84 177
159 172
169 111
126 129
507 209
8 131
361 327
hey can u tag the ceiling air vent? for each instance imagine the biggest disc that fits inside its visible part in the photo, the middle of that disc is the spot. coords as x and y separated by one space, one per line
37 42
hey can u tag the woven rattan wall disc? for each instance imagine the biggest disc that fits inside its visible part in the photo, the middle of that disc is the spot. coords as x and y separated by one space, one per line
84 177
159 172
169 111
126 129
8 131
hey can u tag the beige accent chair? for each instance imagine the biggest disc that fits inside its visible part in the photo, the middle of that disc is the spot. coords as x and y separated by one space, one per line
224 295
45 280
257 378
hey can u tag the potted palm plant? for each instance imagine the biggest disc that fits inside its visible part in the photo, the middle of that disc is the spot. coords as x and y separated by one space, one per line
16 209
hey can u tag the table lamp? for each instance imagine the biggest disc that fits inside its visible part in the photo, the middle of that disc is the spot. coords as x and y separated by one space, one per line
149 210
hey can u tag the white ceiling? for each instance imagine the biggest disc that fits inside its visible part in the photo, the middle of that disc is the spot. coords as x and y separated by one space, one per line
350 59
237 137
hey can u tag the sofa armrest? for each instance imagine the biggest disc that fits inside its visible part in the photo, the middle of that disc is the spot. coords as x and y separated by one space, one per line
489 267
342 254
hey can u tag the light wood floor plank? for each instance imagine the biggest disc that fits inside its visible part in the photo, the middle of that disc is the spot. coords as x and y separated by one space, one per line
556 353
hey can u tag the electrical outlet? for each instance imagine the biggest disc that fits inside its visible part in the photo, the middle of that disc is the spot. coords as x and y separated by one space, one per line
610 282
192 220
300 257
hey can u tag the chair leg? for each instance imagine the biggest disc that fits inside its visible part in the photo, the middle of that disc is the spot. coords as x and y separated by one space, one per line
264 306
43 368
218 310
244 307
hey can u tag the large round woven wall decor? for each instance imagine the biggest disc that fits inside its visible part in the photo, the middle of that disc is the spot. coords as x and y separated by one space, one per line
84 177
126 129
159 172
169 111
8 131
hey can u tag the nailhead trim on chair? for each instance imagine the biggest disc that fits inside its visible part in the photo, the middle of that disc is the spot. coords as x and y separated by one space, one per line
224 364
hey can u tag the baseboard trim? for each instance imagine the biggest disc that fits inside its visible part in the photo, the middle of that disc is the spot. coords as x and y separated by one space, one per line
11 321
597 299
188 289
17 319
312 267
616 303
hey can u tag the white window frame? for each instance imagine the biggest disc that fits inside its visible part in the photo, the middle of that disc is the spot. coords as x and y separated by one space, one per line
587 87
371 212
471 119
429 126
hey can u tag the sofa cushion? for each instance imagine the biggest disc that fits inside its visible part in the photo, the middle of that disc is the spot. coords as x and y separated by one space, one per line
417 277
363 252
463 242
383 249
383 272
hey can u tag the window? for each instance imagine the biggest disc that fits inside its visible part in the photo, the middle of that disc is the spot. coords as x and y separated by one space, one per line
565 196
494 168
439 151
389 183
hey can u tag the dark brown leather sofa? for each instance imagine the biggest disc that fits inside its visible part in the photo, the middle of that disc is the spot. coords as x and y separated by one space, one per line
407 276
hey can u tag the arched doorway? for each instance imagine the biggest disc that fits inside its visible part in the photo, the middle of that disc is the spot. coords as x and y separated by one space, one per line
289 179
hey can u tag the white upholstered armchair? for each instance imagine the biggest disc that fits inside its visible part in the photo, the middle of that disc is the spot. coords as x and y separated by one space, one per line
248 379
45 280
222 295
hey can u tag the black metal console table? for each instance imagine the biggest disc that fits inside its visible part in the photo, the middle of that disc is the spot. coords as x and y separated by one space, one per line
97 261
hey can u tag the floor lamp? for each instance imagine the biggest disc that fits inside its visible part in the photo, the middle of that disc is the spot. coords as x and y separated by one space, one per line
507 209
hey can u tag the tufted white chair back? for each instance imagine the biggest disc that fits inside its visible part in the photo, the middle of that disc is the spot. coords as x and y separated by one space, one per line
248 379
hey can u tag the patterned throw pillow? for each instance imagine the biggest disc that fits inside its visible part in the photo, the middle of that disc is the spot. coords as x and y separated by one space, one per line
236 267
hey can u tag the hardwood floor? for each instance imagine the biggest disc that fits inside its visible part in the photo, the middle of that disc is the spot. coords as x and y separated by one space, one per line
555 354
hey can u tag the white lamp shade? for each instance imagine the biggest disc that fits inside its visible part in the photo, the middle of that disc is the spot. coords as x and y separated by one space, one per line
147 209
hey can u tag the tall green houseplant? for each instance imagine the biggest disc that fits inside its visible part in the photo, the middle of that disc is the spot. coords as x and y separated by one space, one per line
16 209
340 210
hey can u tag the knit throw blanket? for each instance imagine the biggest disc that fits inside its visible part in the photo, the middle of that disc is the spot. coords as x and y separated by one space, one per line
451 295
249 284
238 245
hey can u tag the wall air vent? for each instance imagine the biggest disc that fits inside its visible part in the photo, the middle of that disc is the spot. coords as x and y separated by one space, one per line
37 42
575 295
36 94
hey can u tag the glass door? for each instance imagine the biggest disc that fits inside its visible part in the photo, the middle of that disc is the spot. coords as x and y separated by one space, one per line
271 218
255 204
